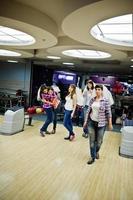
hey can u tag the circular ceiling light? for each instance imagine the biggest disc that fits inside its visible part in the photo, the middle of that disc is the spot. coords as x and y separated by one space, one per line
82 53
4 52
116 30
12 37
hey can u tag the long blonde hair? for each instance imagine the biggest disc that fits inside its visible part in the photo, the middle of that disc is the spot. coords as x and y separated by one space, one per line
73 91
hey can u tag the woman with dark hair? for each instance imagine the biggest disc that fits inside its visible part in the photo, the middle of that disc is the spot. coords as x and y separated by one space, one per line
70 106
87 95
48 93
47 97
98 113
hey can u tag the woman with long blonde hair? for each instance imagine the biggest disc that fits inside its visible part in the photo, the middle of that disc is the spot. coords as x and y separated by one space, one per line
70 106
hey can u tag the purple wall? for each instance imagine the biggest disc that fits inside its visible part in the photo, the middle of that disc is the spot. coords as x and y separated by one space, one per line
107 80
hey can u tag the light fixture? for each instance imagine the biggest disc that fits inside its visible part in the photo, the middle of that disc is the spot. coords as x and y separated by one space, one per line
88 54
132 59
67 63
12 61
117 30
53 57
13 37
4 52
131 66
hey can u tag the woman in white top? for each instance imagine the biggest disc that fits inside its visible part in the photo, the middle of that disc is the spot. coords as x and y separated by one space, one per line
87 95
70 106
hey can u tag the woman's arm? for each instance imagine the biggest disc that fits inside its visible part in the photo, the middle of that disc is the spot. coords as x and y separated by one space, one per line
88 113
39 94
74 104
85 92
110 123
108 114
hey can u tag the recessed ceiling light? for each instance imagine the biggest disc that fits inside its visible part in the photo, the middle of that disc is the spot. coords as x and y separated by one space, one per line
131 59
53 57
83 53
67 63
13 37
131 66
4 52
12 61
116 30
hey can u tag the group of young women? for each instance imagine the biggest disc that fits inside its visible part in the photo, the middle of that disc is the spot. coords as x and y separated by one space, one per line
97 112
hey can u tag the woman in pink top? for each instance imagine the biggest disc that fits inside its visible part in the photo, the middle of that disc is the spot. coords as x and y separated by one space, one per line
47 97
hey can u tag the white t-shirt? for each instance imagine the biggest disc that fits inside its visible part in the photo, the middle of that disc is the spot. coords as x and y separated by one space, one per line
69 103
87 95
79 96
95 111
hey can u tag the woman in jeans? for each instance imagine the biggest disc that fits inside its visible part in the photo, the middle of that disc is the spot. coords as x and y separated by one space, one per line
70 106
47 97
99 111
87 95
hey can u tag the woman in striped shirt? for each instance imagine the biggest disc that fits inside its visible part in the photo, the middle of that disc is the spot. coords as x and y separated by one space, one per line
98 113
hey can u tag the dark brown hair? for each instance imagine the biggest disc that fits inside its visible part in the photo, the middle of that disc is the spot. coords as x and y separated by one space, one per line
92 84
99 86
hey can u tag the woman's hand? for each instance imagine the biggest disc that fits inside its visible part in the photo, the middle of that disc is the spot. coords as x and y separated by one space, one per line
84 125
72 114
110 127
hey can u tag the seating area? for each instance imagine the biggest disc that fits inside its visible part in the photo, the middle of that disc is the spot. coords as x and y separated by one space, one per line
126 147
13 122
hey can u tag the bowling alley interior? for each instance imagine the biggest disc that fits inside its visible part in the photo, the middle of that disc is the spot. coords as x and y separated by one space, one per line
57 59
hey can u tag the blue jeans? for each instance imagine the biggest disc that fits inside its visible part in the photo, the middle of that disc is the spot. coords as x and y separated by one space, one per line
55 111
96 137
79 115
68 121
49 113
85 111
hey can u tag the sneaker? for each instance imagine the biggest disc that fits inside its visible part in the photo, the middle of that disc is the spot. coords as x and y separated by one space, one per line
86 136
97 155
83 135
91 160
67 138
42 133
72 137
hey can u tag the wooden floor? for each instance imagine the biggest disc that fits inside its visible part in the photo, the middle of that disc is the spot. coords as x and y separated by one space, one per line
50 168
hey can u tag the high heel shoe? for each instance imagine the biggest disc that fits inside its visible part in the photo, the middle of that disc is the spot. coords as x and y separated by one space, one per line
97 155
91 160
53 131
42 133
67 138
72 137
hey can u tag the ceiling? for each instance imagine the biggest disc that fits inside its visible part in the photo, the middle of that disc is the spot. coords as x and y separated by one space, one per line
59 25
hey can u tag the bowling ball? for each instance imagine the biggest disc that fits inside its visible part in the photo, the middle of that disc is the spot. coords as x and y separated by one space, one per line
39 110
31 110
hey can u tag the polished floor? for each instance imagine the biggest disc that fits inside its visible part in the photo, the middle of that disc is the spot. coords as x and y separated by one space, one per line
50 168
